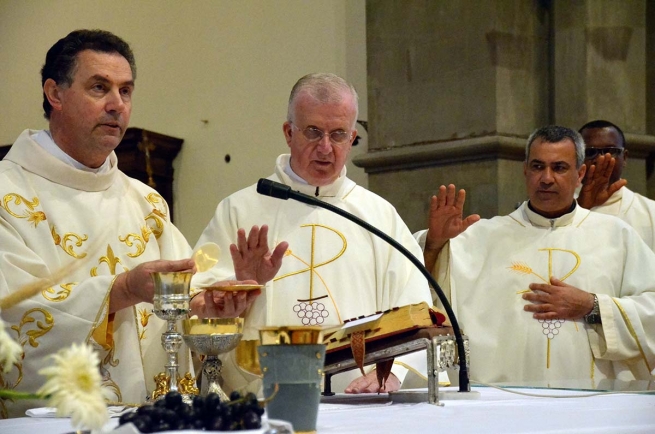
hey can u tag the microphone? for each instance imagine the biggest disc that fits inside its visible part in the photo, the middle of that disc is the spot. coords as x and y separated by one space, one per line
281 191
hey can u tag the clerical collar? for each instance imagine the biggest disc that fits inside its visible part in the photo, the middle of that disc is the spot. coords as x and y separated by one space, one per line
289 171
45 140
539 220
289 177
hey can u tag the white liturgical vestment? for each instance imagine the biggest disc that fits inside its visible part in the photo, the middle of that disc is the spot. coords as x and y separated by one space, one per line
634 209
54 216
334 270
486 269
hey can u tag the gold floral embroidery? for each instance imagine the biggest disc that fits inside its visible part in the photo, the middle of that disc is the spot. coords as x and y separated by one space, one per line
32 216
155 221
144 317
61 295
111 260
158 203
64 242
43 326
137 241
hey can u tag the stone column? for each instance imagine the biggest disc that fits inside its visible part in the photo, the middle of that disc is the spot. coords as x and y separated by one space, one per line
454 88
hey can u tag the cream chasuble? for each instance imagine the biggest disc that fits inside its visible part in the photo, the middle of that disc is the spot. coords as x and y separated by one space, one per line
634 209
333 270
486 269
53 216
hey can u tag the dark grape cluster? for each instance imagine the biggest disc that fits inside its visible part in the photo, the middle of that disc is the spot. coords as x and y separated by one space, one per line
206 413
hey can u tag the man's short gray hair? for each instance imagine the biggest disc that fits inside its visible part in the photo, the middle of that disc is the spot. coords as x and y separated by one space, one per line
555 134
324 87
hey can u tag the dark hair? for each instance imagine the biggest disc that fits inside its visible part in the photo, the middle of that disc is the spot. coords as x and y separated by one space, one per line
61 60
555 134
603 124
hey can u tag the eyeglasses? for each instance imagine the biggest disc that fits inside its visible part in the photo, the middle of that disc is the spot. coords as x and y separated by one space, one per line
591 153
338 137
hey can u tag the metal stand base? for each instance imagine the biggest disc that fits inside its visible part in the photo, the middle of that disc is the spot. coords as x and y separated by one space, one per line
441 355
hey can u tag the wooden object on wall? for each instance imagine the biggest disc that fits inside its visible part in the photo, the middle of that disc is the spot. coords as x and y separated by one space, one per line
147 156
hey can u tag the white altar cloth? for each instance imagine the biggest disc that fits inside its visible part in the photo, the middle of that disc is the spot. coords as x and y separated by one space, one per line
495 411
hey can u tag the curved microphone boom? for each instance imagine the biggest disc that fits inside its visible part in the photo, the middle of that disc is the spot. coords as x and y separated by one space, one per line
281 191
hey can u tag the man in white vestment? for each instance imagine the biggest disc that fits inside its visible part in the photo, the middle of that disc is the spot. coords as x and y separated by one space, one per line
66 210
333 270
603 190
552 291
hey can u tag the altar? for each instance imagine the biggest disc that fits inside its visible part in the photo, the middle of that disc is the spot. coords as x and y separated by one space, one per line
514 410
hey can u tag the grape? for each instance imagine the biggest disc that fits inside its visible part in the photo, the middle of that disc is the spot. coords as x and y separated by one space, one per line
173 399
170 413
251 420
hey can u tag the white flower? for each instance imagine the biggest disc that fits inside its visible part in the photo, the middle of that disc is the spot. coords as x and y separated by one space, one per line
10 350
74 386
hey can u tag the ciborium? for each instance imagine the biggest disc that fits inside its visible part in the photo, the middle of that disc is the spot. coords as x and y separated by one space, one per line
171 303
212 337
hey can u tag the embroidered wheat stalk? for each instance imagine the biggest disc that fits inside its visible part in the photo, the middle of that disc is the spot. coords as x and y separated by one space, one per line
523 268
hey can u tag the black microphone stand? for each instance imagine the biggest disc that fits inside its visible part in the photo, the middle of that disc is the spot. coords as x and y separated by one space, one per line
281 191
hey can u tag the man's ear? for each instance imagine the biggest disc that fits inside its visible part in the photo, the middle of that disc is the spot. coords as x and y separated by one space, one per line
52 91
287 129
581 172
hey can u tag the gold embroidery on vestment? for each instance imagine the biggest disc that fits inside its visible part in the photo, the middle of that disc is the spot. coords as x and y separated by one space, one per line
32 216
311 268
134 240
155 222
111 260
632 331
64 242
52 295
144 317
550 327
43 326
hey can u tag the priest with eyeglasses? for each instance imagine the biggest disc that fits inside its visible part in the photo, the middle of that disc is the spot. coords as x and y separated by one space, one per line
333 269
603 190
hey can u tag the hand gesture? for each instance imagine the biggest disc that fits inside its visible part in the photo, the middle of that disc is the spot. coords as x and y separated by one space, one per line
224 304
445 221
596 187
558 301
136 285
252 258
369 384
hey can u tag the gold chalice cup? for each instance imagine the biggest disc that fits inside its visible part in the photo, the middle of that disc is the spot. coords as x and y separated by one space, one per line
212 337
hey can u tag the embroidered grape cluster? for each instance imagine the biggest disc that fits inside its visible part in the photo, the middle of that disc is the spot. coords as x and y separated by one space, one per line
311 313
206 413
551 327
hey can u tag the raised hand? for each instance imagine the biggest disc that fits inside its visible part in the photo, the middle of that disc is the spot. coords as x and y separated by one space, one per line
596 186
557 300
252 258
446 217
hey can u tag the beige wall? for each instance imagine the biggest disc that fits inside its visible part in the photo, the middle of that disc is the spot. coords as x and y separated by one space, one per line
215 73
